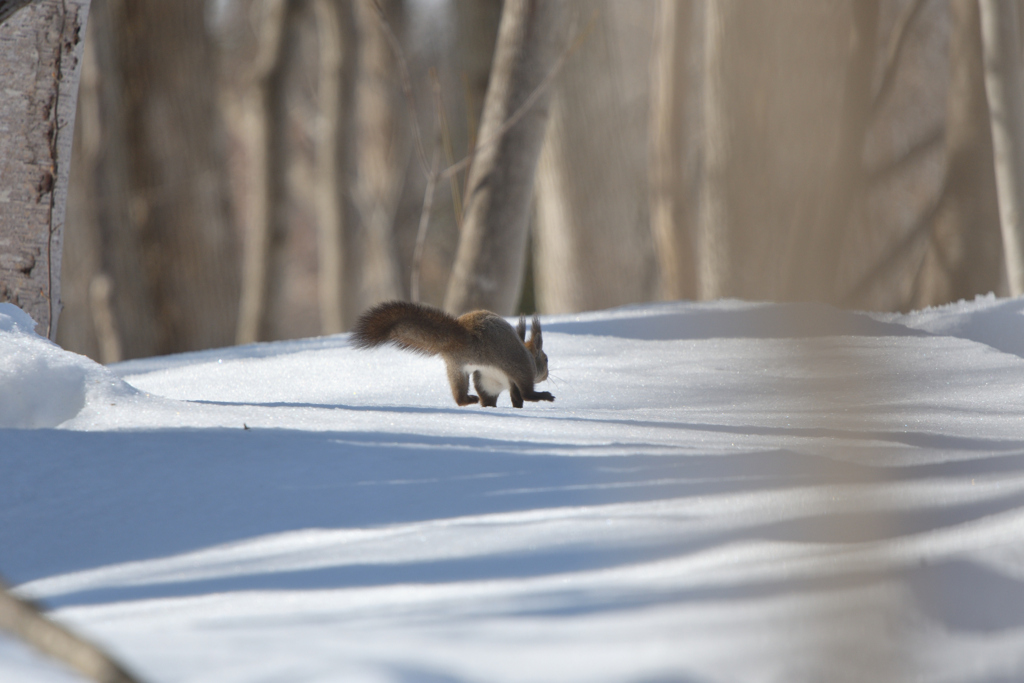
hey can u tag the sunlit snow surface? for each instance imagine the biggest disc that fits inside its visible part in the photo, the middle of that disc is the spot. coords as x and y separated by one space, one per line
720 492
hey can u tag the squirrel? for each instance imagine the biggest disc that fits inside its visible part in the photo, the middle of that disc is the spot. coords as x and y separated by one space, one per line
481 344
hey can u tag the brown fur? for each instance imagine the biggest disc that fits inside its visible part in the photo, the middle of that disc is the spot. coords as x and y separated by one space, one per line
481 343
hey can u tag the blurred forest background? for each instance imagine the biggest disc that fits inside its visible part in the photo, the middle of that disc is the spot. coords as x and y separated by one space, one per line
249 170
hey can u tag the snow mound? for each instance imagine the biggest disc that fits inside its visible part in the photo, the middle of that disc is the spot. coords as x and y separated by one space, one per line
730 319
998 323
41 384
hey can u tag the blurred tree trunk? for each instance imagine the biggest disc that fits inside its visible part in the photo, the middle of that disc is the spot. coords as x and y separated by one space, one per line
476 34
488 267
88 324
101 245
814 269
178 197
262 121
592 244
477 24
166 243
670 191
40 58
774 120
964 255
336 131
1004 87
383 150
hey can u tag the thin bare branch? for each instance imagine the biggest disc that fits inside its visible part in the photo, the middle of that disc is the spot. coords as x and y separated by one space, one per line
901 251
897 41
449 152
421 230
428 197
403 71
918 283
882 172
518 114
473 126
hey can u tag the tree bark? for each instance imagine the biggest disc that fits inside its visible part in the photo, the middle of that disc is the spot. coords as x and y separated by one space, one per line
9 7
40 56
964 256
670 191
592 239
1004 87
488 267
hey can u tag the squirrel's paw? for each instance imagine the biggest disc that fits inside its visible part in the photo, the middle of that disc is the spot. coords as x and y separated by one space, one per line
469 400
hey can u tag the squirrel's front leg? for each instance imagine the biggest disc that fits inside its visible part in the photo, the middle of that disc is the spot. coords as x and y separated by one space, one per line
532 395
460 385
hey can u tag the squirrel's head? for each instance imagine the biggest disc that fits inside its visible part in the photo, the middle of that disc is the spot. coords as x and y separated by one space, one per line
534 346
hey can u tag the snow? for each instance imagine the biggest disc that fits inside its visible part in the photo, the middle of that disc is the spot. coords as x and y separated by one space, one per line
21 664
721 491
40 384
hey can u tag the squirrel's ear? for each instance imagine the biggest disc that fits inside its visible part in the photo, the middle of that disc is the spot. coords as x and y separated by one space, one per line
535 337
521 327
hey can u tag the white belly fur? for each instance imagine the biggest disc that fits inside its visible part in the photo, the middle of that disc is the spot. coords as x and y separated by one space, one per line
492 380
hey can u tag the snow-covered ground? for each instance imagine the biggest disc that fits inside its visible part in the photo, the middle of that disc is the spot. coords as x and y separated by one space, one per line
720 492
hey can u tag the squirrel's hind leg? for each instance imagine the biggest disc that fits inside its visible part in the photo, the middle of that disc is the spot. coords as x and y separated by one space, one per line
460 385
487 400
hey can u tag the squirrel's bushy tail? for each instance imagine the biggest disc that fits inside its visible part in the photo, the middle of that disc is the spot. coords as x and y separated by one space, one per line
410 326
